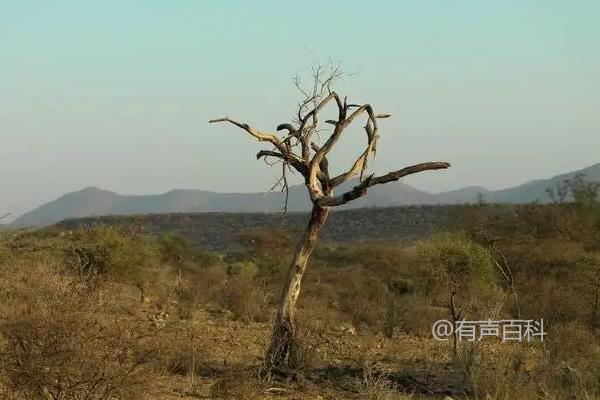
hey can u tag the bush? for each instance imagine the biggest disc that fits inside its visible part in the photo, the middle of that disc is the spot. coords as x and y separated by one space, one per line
461 276
375 384
243 299
174 249
362 297
56 341
247 269
206 259
264 240
573 361
183 349
205 281
104 249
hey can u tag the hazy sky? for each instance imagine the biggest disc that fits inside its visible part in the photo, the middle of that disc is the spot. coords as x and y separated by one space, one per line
117 93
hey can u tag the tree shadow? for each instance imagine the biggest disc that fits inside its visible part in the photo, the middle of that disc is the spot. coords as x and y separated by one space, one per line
436 379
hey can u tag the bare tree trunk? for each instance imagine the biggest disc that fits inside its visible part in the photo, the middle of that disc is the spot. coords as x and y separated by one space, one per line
281 350
517 303
455 317
596 306
140 288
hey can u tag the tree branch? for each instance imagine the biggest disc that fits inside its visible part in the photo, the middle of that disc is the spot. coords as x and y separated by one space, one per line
261 136
294 162
322 176
361 189
295 149
361 163
284 150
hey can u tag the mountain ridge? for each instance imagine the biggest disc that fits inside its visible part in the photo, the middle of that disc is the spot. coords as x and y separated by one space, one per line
93 201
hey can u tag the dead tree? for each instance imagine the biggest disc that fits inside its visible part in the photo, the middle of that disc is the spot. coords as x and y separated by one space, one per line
298 150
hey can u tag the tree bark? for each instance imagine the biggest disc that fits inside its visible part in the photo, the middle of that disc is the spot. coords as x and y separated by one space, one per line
281 354
516 301
455 317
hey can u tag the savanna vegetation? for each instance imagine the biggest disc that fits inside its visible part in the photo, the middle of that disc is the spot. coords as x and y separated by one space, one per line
111 312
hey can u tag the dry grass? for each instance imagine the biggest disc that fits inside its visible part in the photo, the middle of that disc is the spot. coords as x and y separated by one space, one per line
200 330
63 338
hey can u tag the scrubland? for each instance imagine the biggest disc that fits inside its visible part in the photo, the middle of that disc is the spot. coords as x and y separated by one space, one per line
113 312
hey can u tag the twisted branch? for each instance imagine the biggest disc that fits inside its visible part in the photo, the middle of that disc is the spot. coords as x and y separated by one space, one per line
361 189
295 149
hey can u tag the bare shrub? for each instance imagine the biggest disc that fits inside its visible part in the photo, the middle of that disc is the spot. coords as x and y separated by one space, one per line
317 316
572 363
509 376
235 385
204 281
57 341
416 316
469 359
182 298
310 350
375 383
362 298
182 349
244 299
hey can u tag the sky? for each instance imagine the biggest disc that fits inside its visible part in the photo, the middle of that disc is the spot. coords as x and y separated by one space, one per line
118 93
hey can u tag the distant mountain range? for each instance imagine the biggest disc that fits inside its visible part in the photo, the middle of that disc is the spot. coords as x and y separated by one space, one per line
97 202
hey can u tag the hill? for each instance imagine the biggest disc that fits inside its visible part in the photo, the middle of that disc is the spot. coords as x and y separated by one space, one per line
97 202
531 191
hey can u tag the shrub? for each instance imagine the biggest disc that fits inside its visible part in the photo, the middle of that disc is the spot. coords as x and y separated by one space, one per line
103 249
572 362
246 302
375 384
262 240
461 274
204 282
182 349
206 259
363 297
174 249
247 269
56 342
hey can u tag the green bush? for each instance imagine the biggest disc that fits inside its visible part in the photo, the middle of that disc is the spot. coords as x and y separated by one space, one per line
174 249
107 250
247 269
457 265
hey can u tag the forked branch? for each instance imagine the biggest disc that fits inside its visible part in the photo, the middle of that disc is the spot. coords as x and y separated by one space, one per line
361 189
296 150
